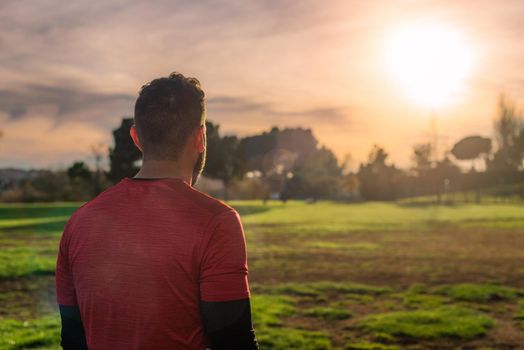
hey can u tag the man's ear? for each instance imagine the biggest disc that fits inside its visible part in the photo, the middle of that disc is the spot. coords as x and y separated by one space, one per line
201 139
134 136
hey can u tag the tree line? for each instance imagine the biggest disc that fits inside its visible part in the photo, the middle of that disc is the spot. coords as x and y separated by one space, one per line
289 163
495 164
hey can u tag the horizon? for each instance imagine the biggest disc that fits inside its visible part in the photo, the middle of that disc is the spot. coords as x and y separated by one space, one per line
70 74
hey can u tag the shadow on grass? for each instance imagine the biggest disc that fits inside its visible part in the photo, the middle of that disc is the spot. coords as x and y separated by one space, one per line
37 217
35 226
36 210
427 204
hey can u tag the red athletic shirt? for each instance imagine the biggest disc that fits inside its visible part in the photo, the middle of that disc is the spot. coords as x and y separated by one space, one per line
139 257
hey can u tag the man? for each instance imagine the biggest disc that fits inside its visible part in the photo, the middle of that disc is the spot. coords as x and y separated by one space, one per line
151 262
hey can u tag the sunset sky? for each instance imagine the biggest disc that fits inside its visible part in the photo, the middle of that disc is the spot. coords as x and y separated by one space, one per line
70 70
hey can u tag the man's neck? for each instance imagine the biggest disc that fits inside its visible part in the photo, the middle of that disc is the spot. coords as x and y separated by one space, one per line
163 169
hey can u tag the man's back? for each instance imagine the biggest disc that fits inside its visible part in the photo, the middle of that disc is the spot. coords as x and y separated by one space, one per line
140 257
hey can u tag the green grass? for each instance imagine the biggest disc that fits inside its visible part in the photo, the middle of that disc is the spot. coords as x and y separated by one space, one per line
316 288
370 346
445 321
328 313
478 292
29 236
357 246
329 275
519 315
268 314
268 310
11 223
24 261
329 217
422 301
323 217
32 334
292 339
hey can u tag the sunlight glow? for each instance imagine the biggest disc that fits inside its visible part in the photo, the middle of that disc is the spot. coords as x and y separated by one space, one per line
431 61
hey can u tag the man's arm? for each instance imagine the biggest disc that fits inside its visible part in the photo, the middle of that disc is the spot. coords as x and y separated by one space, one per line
224 291
72 333
73 336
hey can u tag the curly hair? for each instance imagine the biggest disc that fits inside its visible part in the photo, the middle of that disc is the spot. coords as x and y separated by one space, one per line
167 111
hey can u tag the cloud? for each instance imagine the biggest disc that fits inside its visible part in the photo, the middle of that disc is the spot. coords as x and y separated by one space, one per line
239 106
60 103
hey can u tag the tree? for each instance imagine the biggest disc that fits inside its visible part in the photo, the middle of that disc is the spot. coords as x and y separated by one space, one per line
79 170
317 176
378 180
422 158
442 175
224 159
431 176
377 158
49 186
507 127
80 182
124 154
275 153
471 148
510 140
98 153
423 164
277 149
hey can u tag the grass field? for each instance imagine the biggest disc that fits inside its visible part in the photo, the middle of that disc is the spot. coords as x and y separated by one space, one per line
323 276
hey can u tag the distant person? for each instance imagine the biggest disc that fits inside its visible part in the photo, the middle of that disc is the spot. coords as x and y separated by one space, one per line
151 262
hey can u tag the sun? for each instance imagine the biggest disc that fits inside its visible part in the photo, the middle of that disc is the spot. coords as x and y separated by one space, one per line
430 61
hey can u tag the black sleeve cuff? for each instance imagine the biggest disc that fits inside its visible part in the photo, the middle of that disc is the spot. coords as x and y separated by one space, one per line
228 325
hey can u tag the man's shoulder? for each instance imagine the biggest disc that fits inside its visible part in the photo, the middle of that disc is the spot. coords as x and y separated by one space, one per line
211 205
86 205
